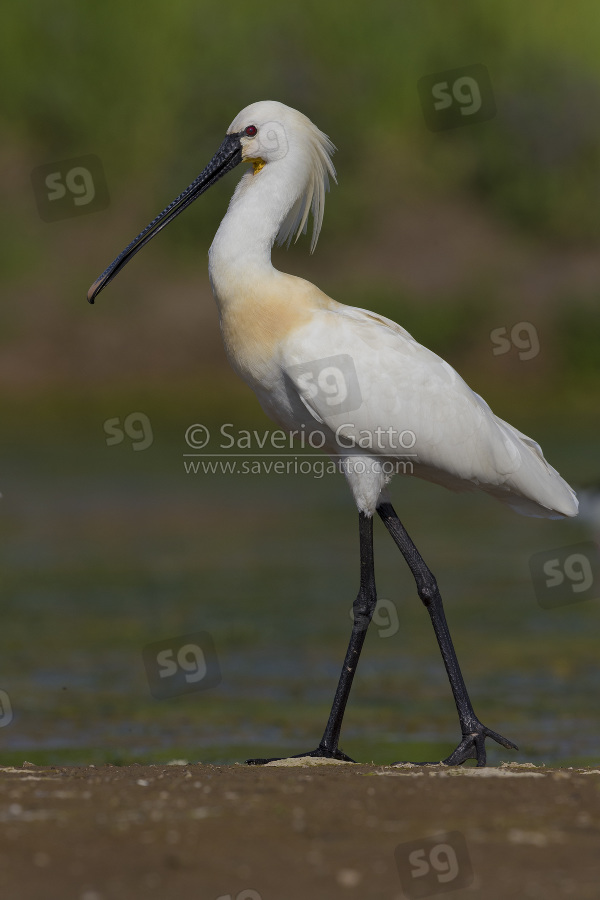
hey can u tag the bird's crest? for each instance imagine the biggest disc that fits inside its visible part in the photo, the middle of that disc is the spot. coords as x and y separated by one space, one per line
318 149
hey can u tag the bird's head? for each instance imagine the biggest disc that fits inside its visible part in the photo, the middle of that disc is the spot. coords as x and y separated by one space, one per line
280 140
274 138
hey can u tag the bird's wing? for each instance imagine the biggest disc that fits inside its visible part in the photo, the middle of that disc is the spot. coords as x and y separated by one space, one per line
384 387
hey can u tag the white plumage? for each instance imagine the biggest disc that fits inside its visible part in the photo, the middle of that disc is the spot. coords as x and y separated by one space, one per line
274 324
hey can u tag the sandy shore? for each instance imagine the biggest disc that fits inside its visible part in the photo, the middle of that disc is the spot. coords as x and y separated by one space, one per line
292 833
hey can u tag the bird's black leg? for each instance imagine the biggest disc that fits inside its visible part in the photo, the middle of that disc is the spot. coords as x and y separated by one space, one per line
472 745
364 607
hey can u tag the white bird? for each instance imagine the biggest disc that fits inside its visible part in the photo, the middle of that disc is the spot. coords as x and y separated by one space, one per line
376 398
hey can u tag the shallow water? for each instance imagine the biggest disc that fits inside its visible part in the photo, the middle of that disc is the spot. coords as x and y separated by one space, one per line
105 551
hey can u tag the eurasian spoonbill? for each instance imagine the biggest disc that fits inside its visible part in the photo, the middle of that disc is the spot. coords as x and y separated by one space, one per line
290 342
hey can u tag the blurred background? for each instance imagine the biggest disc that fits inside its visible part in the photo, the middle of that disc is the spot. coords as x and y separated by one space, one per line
480 237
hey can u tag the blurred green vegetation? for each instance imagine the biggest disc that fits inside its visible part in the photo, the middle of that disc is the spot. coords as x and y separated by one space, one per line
151 88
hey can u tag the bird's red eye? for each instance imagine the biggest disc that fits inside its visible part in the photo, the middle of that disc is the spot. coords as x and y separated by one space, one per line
251 130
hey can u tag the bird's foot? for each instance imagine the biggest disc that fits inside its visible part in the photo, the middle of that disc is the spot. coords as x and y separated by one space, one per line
321 752
472 746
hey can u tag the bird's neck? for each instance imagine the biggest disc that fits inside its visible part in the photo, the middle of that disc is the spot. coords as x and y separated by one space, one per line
240 255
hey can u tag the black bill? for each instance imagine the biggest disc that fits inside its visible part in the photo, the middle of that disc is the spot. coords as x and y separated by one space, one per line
226 158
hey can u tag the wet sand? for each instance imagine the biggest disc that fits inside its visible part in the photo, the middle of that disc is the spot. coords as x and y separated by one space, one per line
291 833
